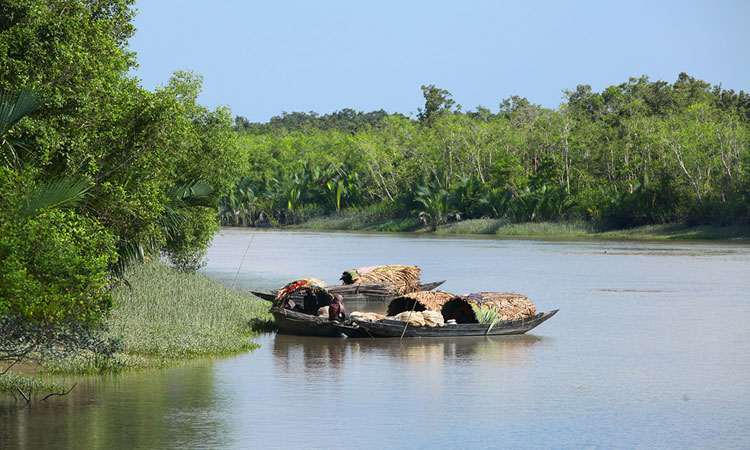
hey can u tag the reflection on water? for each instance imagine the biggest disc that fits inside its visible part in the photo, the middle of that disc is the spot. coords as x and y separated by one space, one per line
157 409
316 356
649 350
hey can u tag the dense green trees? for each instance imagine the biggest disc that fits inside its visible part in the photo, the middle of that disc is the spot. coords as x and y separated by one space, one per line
133 171
637 153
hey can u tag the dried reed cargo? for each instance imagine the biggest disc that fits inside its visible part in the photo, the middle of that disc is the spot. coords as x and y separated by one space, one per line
419 301
402 279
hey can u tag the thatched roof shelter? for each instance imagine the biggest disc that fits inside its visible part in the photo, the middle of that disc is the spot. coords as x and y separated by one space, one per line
419 301
402 279
305 285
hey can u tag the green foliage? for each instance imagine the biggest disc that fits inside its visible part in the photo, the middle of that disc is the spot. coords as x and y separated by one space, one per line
10 382
437 103
485 314
435 203
65 193
54 261
13 107
96 171
55 268
587 160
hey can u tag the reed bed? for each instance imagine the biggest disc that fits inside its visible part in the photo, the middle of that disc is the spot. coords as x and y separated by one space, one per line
473 226
364 220
681 232
30 385
166 313
547 229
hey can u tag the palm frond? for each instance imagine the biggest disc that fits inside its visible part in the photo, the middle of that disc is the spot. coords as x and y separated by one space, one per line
15 105
130 253
196 193
65 193
179 198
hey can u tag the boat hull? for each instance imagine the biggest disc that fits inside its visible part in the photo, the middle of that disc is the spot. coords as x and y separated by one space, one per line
300 324
394 328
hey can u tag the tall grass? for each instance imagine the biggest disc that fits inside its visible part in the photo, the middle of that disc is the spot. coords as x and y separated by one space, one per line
473 226
373 219
162 316
10 382
166 313
551 229
680 231
377 220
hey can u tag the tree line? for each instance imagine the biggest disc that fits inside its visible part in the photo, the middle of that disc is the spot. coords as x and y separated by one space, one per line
637 153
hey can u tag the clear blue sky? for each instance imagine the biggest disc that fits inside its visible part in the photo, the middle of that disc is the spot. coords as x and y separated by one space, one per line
262 58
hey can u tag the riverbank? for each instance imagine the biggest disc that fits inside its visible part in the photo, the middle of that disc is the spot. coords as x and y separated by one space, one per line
160 317
377 221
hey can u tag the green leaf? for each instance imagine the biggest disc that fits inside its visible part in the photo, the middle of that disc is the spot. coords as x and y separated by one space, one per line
14 106
65 193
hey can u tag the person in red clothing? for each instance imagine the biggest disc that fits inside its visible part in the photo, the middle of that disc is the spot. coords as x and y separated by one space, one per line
336 310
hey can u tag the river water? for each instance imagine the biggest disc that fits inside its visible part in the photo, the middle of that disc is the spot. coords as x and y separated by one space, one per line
650 349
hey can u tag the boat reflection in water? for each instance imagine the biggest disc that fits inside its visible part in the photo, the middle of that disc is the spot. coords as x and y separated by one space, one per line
316 356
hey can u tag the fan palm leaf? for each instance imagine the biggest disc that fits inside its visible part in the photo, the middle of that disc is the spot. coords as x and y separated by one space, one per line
13 107
65 193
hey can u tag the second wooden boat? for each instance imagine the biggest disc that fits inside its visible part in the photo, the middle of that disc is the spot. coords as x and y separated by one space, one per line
395 328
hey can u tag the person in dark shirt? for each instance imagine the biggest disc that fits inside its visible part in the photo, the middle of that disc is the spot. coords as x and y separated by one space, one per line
310 303
336 309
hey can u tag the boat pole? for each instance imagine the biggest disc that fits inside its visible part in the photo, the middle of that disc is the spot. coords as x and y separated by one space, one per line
413 305
243 260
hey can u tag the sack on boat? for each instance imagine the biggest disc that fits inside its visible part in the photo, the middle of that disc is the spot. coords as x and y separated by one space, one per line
323 311
371 317
433 319
414 318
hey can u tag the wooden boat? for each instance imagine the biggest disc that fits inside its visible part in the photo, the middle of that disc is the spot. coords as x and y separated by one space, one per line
395 328
301 324
356 292
305 322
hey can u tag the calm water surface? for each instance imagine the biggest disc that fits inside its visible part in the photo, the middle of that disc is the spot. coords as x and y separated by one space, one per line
650 349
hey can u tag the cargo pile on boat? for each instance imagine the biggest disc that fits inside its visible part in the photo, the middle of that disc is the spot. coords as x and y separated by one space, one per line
507 305
402 279
435 308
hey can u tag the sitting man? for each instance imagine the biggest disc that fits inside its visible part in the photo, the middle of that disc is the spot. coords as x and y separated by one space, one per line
336 310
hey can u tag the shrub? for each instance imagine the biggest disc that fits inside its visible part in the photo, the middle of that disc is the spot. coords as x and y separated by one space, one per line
54 268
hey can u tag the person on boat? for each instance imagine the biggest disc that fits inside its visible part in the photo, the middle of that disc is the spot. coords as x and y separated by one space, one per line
310 303
336 309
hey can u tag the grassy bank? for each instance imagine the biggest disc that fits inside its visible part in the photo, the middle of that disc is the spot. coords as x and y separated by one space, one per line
362 220
162 317
382 221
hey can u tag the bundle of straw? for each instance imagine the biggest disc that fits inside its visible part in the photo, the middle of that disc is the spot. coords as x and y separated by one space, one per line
402 279
418 301
508 305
